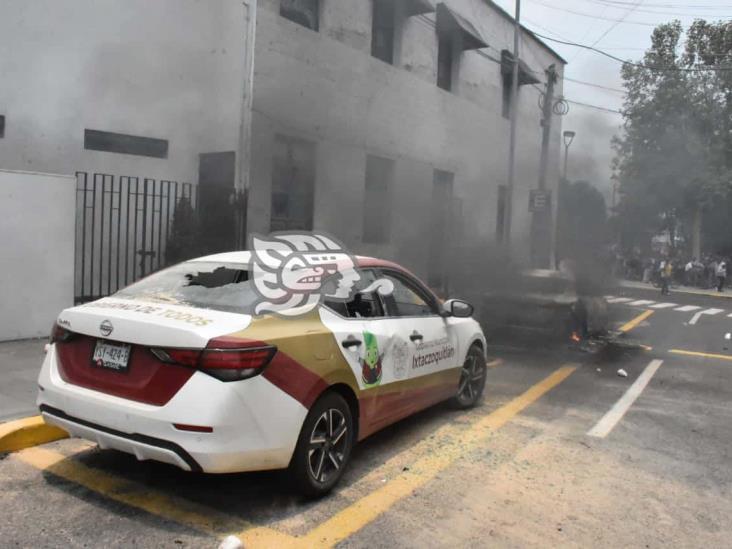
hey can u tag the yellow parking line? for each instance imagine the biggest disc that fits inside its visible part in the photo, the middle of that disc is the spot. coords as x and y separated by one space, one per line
702 355
360 513
637 320
187 513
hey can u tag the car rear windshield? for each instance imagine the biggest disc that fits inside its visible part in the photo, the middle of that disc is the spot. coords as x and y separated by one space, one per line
206 285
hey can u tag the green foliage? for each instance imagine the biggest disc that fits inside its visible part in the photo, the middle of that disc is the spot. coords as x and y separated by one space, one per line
676 151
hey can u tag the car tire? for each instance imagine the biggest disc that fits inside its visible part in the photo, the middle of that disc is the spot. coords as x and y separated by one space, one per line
472 380
323 447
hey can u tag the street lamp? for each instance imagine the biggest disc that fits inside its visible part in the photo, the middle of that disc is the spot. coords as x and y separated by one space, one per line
568 138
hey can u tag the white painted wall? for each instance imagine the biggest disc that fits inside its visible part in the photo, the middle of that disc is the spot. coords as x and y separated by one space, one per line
36 251
170 69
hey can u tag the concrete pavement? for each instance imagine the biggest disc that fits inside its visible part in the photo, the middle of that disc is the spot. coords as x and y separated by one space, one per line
529 467
20 362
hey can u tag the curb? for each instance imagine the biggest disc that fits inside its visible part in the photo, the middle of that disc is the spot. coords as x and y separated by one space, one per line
27 432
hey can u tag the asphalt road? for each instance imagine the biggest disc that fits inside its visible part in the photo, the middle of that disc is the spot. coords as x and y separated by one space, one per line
562 452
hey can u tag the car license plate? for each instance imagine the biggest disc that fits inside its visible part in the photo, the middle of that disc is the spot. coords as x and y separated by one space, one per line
113 356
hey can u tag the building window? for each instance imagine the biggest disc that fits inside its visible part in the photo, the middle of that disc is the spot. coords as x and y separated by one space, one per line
455 35
2 126
382 30
293 184
96 140
444 62
440 227
506 112
526 76
501 205
302 12
377 200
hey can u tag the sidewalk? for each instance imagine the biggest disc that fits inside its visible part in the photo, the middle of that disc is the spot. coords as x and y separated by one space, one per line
676 289
20 362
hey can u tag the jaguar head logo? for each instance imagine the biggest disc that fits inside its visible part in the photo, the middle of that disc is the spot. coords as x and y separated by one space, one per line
290 272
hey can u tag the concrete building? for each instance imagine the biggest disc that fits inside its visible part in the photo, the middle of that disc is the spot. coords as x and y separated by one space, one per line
384 122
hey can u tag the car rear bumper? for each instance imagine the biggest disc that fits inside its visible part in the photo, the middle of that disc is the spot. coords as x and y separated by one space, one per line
255 424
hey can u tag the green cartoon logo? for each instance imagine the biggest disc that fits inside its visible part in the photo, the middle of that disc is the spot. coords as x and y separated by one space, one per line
371 361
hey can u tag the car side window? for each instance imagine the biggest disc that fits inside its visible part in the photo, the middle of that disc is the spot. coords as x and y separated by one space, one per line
363 305
407 299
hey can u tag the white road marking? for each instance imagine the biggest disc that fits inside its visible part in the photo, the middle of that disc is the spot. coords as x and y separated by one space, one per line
641 302
619 299
688 308
608 422
697 316
664 305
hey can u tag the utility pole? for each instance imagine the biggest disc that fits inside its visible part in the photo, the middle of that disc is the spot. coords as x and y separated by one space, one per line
540 221
514 118
240 198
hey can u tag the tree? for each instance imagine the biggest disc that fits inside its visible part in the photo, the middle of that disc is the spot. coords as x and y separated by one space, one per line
674 160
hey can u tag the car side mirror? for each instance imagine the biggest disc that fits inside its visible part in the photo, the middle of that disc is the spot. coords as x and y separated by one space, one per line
457 308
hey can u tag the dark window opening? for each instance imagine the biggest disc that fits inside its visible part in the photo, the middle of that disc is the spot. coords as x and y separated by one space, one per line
96 140
506 96
444 62
440 227
382 30
302 12
293 184
377 200
501 205
2 126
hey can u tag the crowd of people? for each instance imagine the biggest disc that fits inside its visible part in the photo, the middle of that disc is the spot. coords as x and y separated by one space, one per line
707 272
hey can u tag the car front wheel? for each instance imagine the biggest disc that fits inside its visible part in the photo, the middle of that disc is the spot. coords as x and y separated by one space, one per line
324 446
472 379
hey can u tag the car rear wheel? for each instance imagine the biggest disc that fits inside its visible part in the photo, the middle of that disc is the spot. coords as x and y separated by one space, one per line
324 446
472 380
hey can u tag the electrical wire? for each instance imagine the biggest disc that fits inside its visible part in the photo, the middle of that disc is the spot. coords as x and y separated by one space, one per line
617 90
625 3
591 16
639 65
662 11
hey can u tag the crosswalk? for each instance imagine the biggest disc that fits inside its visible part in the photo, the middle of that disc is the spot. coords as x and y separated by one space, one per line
650 304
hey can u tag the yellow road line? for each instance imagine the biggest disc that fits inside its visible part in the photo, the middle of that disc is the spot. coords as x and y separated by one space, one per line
702 355
495 363
447 448
637 320
27 432
195 516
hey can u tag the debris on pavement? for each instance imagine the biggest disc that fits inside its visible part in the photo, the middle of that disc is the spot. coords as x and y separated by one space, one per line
622 373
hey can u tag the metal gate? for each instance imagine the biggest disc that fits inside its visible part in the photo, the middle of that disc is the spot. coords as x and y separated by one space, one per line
122 229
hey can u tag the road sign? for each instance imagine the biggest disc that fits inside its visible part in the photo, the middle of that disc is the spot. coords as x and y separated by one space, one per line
539 200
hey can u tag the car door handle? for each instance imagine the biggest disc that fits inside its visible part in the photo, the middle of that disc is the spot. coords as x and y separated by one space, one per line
416 336
351 341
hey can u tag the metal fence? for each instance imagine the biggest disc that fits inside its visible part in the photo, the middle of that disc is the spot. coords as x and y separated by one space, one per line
122 229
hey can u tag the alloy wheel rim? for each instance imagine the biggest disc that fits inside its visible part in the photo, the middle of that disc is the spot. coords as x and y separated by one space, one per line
328 445
471 379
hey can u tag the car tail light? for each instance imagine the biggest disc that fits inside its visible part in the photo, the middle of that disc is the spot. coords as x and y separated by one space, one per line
59 334
226 359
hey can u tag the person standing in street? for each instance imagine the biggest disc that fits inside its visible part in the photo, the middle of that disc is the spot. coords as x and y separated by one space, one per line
666 271
721 275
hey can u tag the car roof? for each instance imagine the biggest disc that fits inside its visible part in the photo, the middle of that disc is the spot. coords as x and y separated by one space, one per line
244 256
